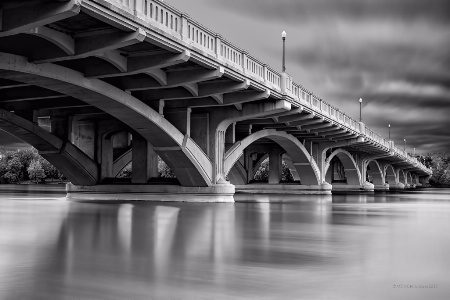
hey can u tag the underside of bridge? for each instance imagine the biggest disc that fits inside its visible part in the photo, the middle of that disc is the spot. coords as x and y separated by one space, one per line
97 85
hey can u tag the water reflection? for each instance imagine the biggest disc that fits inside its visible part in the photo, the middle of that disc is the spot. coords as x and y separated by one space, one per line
344 247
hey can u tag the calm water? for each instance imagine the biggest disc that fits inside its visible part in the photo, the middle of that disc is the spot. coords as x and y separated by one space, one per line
329 247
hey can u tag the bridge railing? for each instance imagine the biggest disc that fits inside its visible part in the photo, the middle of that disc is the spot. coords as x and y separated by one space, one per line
273 79
168 19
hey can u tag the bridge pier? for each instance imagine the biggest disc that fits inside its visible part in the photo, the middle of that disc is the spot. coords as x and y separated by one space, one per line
138 192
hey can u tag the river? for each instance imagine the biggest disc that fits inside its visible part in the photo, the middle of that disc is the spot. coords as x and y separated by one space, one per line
372 246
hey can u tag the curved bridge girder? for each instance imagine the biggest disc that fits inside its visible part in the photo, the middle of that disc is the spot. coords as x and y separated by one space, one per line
376 172
351 168
121 162
401 176
409 177
390 175
185 158
237 174
303 162
67 158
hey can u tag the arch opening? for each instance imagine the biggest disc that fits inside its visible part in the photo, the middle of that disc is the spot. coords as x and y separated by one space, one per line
341 168
374 173
390 177
303 163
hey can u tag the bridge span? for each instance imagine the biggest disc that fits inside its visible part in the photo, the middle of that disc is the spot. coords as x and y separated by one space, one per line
96 84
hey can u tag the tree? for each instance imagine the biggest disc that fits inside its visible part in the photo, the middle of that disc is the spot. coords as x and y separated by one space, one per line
49 170
262 174
163 169
440 164
35 171
26 156
126 172
12 172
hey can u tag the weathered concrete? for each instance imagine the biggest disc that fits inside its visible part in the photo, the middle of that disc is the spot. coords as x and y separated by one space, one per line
163 193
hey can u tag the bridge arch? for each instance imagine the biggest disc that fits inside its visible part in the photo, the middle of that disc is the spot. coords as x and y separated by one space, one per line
185 158
376 172
238 174
390 175
352 172
409 177
303 162
401 176
66 157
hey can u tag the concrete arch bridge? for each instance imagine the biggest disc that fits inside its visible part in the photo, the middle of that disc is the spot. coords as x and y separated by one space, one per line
95 84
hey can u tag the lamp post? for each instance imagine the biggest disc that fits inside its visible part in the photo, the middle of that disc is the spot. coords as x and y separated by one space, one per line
404 145
283 36
389 131
414 151
360 109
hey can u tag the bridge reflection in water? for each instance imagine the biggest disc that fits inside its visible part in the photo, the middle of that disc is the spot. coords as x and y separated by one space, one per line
347 247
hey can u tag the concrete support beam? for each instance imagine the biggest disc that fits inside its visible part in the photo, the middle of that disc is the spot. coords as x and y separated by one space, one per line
215 88
96 45
304 122
64 41
296 117
17 17
174 79
141 64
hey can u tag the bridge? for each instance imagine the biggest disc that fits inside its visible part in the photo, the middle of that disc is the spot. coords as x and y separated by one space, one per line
96 84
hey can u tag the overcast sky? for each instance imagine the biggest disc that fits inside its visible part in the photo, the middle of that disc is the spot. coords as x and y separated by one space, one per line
395 54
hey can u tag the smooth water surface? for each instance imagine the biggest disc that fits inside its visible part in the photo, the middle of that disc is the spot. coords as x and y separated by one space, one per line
378 246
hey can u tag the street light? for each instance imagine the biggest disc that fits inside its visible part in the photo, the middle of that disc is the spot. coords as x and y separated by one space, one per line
360 109
414 151
283 36
404 145
389 131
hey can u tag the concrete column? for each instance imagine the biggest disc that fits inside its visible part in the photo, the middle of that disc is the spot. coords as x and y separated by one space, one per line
29 115
86 137
330 174
107 159
180 118
230 136
248 163
200 130
274 167
121 140
60 127
145 160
